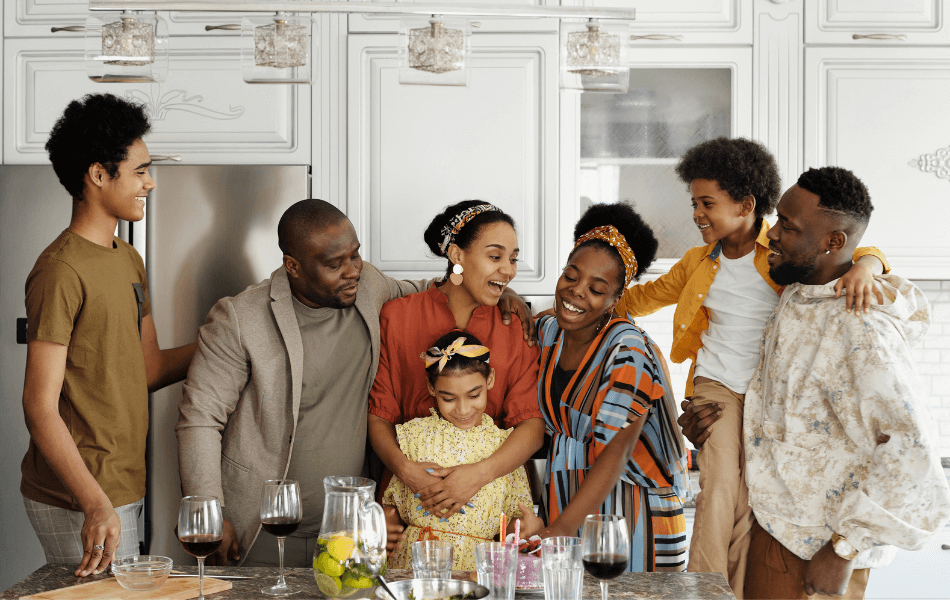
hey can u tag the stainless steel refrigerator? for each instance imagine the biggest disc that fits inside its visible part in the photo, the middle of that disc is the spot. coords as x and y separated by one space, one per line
209 232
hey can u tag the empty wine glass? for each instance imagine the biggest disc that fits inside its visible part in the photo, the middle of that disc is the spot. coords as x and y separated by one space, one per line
606 548
280 516
200 529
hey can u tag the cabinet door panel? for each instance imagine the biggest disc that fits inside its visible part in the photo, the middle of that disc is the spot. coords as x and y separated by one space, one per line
412 150
881 113
694 21
381 23
204 112
839 21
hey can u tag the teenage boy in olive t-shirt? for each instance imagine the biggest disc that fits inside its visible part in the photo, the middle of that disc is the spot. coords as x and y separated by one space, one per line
92 354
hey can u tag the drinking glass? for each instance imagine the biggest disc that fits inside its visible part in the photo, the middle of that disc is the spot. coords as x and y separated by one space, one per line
562 568
200 529
497 564
280 516
432 559
606 548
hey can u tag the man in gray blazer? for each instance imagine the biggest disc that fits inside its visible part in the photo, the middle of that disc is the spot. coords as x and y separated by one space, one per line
279 384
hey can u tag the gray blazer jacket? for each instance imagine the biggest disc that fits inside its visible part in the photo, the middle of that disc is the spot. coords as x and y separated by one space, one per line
238 416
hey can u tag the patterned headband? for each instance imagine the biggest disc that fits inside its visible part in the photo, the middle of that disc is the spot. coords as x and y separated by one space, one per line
454 226
435 355
609 234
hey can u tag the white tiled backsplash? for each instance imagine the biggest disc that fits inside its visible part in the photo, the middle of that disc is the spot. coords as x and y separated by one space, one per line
932 356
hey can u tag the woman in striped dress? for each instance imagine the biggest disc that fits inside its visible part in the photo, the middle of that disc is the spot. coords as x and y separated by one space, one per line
604 393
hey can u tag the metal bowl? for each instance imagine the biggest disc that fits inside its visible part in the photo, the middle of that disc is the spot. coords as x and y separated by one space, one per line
426 589
141 573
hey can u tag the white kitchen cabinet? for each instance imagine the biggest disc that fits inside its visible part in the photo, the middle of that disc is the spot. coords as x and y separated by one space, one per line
684 22
625 146
381 23
412 150
876 22
881 112
204 112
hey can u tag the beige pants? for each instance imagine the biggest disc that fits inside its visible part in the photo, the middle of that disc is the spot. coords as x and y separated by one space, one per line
721 531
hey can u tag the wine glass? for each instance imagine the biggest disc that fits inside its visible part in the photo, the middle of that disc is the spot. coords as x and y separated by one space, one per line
200 529
606 548
280 516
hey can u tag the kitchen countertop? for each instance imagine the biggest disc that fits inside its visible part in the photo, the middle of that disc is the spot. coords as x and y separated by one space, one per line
644 586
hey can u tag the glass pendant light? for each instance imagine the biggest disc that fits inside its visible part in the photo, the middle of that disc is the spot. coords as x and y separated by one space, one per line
276 49
129 47
434 51
594 57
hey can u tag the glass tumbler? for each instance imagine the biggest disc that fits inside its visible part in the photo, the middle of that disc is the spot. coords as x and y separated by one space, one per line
562 568
432 559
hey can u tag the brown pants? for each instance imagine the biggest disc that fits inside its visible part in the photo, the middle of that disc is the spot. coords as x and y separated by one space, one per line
775 572
724 519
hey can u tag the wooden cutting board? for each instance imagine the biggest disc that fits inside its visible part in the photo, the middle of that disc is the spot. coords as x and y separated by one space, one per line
176 588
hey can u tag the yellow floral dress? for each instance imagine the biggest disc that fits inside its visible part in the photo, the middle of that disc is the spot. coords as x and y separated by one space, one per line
433 439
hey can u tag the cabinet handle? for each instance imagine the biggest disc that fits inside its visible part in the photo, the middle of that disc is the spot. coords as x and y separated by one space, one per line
67 28
229 27
162 157
656 37
879 36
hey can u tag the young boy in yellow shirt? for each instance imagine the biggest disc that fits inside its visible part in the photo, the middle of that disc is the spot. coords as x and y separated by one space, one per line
723 296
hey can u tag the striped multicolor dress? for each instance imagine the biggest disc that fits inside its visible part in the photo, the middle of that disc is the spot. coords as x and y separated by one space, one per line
621 377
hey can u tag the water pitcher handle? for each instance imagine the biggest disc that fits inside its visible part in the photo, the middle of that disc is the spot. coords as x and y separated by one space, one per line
373 527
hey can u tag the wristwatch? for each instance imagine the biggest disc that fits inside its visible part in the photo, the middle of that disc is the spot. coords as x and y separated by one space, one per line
843 547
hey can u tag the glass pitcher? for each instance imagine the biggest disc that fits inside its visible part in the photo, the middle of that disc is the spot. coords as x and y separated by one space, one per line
352 543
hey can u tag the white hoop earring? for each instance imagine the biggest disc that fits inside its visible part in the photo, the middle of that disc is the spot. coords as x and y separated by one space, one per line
456 276
827 251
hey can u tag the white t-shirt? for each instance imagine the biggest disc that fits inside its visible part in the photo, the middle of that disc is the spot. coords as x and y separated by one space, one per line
739 302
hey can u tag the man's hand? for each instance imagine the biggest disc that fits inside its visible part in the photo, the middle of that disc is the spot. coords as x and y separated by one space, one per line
395 529
827 573
458 486
859 285
697 420
511 302
228 551
100 537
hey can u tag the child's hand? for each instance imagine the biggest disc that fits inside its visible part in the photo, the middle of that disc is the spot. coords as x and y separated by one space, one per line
859 284
395 529
530 522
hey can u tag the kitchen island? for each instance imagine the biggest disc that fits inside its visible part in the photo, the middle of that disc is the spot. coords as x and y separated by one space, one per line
643 586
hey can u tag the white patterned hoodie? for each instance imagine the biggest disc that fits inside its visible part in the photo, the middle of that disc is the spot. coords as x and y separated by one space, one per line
831 386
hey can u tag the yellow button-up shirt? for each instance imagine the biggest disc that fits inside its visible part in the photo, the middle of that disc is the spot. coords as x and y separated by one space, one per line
687 284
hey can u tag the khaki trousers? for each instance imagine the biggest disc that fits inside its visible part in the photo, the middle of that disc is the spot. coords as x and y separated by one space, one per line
720 541
775 572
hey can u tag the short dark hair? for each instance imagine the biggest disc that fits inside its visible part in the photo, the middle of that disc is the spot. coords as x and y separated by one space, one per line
458 364
99 128
433 234
838 190
301 219
631 226
741 167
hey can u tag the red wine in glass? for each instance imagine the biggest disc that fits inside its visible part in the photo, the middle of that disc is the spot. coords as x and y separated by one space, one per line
280 526
200 545
605 566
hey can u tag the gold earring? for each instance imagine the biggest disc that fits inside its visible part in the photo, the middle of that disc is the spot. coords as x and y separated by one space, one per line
456 276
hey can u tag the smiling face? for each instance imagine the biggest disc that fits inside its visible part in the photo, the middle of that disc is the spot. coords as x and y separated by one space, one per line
587 289
717 214
123 196
462 397
795 240
489 263
327 273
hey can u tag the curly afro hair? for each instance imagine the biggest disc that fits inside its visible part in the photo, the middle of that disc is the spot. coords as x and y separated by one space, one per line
838 190
631 226
458 364
99 128
741 167
469 233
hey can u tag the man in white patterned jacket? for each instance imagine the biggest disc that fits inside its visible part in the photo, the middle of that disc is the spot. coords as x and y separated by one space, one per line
840 448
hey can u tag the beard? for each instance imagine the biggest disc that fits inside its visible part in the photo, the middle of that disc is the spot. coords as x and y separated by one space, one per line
334 301
788 272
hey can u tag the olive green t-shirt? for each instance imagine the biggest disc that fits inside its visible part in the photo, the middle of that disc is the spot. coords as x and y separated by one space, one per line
81 295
